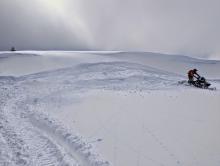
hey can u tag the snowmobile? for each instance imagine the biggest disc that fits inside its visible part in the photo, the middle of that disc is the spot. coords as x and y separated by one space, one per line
200 82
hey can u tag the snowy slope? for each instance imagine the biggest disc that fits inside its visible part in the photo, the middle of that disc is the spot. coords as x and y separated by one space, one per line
106 108
172 63
27 62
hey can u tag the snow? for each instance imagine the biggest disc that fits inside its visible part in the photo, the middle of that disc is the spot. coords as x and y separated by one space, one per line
106 108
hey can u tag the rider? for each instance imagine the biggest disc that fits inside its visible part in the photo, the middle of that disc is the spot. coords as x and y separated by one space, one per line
191 74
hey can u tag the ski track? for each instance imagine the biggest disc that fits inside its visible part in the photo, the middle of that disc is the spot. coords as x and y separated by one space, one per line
29 137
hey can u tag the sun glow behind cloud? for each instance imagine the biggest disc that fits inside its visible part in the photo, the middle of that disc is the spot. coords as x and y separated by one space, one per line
59 10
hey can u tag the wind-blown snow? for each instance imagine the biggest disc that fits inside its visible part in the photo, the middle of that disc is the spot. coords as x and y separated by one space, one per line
106 108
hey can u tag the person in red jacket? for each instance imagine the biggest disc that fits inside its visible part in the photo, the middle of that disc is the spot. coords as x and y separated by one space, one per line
192 74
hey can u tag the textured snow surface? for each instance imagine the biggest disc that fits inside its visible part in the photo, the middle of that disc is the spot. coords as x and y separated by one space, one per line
106 108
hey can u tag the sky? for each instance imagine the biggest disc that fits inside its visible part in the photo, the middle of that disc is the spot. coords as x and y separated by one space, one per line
189 27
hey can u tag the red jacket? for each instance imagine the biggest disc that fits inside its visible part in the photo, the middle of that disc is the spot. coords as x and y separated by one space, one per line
192 74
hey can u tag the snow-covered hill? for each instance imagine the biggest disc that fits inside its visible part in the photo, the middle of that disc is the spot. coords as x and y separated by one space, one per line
106 108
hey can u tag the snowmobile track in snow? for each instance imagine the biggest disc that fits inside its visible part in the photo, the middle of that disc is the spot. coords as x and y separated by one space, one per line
27 138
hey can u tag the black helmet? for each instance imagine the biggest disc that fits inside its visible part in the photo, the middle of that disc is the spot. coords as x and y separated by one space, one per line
202 79
195 70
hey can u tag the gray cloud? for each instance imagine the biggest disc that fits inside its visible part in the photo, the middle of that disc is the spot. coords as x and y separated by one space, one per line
171 26
29 25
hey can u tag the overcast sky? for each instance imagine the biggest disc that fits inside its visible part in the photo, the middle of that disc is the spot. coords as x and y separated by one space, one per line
190 27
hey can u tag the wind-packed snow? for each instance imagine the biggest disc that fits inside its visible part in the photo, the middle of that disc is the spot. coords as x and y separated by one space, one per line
107 108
